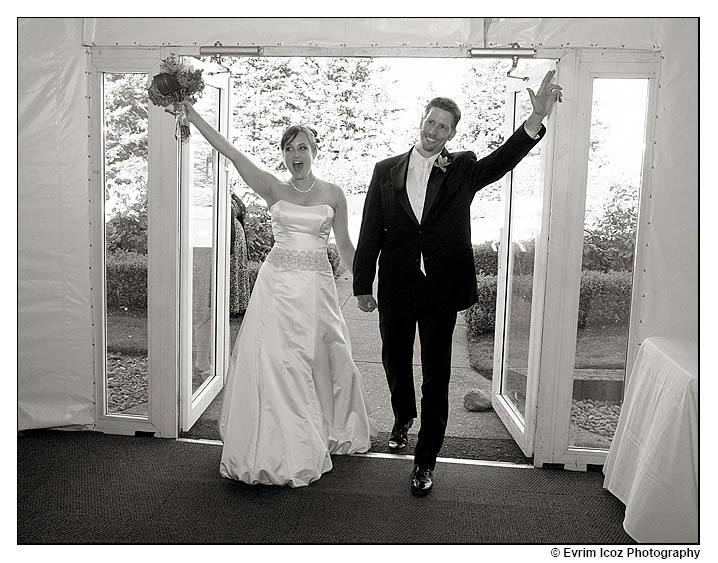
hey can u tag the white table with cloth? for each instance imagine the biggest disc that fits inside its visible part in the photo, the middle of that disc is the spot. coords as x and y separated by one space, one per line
652 465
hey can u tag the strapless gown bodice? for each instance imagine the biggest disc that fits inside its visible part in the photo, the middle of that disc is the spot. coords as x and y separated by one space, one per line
301 234
301 227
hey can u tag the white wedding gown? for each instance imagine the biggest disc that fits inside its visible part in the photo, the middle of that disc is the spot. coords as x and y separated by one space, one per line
293 395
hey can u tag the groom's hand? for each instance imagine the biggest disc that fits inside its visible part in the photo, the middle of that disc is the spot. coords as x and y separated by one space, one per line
366 303
546 97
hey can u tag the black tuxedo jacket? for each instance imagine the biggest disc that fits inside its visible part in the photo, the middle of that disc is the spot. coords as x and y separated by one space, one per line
391 233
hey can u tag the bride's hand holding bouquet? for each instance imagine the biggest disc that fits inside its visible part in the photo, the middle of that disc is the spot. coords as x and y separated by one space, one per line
177 82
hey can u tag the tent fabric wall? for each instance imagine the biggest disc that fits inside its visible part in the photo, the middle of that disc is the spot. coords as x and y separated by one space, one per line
306 32
670 284
606 33
55 317
55 334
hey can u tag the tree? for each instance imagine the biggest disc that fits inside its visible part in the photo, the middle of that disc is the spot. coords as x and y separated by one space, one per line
126 154
610 244
482 119
342 98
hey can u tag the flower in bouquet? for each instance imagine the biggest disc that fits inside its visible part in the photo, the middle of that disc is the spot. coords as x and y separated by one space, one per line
176 82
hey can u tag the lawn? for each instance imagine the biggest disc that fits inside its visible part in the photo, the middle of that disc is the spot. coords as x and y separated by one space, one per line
127 334
596 348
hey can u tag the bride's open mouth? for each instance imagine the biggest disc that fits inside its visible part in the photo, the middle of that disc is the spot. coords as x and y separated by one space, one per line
298 166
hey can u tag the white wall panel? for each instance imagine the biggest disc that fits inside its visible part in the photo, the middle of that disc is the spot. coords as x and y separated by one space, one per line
629 33
321 32
670 306
55 360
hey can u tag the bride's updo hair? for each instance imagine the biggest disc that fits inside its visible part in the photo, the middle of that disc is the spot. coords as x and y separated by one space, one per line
293 130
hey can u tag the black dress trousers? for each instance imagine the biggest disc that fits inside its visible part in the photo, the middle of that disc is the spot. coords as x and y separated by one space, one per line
398 331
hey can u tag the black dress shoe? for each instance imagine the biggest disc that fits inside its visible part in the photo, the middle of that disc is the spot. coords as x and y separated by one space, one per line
421 482
399 436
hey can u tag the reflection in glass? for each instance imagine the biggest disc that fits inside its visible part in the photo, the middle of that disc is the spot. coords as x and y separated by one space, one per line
524 225
203 202
610 223
125 181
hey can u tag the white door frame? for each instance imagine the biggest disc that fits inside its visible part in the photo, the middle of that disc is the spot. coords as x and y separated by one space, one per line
522 428
163 247
565 250
192 405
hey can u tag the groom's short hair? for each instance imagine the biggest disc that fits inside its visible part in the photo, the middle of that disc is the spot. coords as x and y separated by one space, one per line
447 104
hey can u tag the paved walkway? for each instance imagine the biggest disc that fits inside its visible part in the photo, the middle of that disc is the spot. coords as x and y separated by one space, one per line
366 350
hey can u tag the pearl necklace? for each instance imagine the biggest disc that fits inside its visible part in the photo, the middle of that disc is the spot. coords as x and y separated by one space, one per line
304 191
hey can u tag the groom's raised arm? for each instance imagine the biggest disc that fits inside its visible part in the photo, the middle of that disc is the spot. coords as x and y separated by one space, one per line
371 239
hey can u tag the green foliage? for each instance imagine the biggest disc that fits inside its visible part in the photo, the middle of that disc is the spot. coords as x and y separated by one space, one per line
126 281
605 300
482 118
610 244
258 230
127 230
343 99
486 259
126 140
481 128
334 258
252 273
481 317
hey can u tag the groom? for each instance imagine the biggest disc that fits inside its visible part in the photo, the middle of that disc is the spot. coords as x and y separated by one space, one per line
416 221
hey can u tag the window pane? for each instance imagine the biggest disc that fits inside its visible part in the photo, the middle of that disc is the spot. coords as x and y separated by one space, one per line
525 221
203 194
614 178
125 159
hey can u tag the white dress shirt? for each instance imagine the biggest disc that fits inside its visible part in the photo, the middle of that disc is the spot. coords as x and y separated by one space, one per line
417 178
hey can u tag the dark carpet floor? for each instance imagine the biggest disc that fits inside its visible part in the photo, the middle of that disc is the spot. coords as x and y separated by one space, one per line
90 488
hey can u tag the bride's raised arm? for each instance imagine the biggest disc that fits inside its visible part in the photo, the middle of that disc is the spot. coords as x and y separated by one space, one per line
261 181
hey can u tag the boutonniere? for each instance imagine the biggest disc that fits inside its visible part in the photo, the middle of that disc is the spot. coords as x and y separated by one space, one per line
442 162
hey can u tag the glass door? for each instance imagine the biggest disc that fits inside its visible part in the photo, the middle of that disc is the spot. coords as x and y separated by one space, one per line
204 236
617 140
520 280
133 178
601 183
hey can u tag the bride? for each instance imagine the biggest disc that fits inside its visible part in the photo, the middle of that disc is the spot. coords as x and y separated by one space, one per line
293 394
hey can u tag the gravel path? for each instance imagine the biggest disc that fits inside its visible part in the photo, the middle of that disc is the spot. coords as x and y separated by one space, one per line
126 382
598 417
127 389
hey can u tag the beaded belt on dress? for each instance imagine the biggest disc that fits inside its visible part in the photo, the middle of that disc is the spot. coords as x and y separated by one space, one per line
315 260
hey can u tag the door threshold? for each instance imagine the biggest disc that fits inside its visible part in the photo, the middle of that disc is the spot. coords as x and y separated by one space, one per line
396 456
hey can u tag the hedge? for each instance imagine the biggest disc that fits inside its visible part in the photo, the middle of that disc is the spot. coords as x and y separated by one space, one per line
126 279
605 299
486 259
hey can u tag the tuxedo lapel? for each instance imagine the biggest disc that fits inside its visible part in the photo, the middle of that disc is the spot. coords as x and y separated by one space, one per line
398 180
436 179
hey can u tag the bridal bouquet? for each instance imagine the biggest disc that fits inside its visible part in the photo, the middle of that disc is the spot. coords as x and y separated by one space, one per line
176 82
